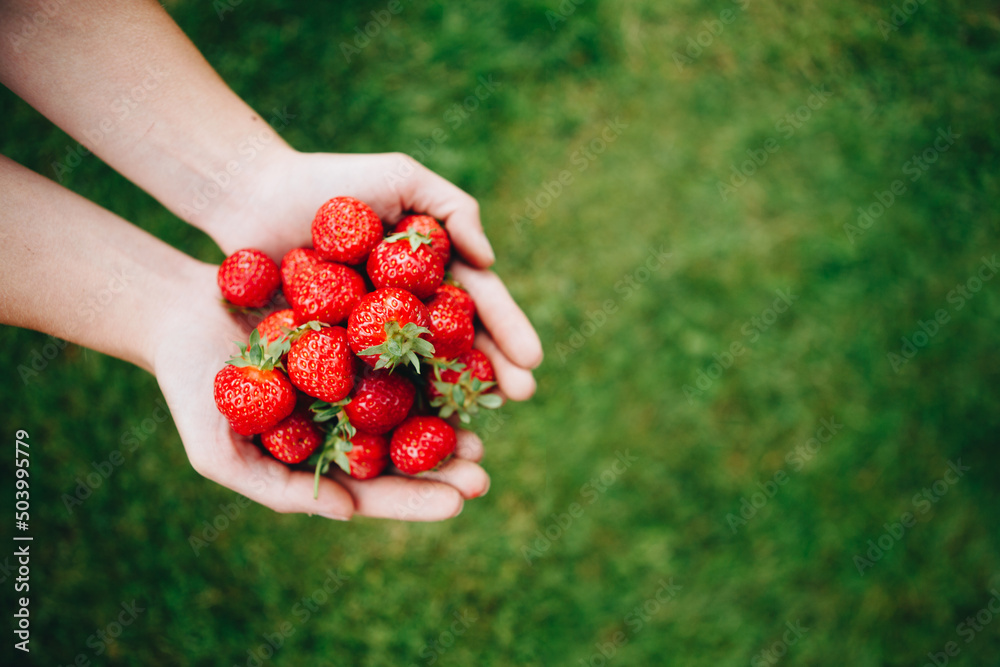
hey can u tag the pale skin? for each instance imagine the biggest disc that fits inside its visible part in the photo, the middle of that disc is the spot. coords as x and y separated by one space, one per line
209 158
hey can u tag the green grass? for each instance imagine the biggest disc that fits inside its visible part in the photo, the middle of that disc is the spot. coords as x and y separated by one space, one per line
609 389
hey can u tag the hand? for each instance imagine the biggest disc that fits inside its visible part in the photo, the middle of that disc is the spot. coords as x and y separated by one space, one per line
193 341
272 207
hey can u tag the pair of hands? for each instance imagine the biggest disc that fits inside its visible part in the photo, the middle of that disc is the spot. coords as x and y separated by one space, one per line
272 210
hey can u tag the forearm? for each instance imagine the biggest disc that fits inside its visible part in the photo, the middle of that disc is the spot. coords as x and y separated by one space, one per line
78 272
124 80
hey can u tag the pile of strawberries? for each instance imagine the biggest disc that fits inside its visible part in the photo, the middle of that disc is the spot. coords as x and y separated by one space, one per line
382 387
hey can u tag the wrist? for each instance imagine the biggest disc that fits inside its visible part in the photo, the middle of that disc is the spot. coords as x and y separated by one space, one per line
167 289
187 306
248 203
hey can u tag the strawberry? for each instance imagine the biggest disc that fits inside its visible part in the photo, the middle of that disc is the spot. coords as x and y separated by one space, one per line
359 454
369 455
421 443
380 401
248 278
293 439
464 386
276 325
387 328
430 228
452 291
251 393
328 293
297 263
320 363
408 261
452 331
345 230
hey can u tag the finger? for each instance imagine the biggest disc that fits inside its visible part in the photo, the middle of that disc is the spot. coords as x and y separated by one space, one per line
426 192
395 497
503 318
468 446
515 382
237 463
467 477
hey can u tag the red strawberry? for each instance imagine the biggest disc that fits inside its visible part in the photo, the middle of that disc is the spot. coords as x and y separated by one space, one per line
361 455
297 263
408 261
430 228
369 455
320 364
452 331
464 386
250 392
421 443
293 439
327 293
386 329
380 401
455 292
478 365
275 325
249 278
345 230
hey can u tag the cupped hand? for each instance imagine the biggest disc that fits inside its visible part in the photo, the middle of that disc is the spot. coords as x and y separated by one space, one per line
195 338
272 209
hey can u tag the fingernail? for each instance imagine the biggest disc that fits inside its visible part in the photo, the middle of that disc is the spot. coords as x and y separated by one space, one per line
335 518
488 251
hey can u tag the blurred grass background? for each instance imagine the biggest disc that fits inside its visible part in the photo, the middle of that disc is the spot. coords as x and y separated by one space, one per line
684 116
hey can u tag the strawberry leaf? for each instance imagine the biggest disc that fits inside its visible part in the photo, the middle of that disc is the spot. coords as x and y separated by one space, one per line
490 401
323 411
416 238
335 449
403 345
